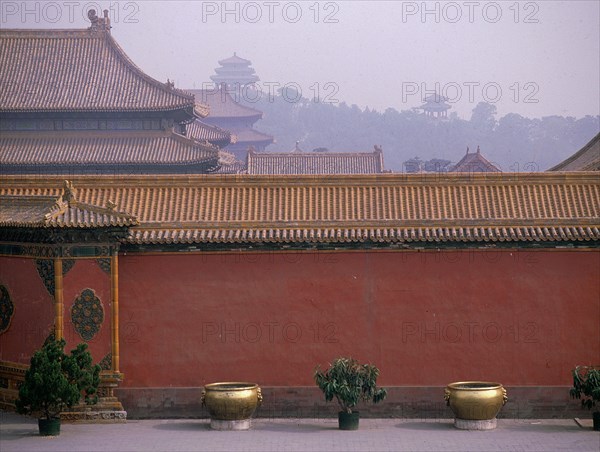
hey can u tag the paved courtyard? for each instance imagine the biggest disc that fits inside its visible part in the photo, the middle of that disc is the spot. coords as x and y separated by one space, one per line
19 433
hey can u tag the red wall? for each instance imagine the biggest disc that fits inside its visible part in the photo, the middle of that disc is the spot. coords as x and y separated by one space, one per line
519 317
33 316
86 274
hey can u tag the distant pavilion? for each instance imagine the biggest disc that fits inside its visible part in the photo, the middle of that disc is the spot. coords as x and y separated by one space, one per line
435 106
474 162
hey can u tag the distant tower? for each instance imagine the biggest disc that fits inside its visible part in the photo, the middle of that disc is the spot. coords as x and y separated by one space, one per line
435 106
234 72
234 81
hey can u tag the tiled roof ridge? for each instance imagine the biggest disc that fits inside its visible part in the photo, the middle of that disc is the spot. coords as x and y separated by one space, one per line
390 208
93 133
235 59
49 33
576 155
213 127
64 211
99 34
204 93
471 157
132 66
193 142
201 110
256 153
176 99
267 180
83 148
374 224
68 199
113 134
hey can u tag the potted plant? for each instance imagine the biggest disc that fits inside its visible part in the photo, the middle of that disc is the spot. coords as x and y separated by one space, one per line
349 382
56 381
586 386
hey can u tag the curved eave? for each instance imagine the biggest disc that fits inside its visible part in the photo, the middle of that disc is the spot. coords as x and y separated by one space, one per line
341 235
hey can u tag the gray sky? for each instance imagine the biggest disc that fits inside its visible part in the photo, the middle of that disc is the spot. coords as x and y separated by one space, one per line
533 58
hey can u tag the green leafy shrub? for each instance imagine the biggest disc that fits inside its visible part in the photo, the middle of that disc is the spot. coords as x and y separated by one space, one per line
56 381
586 385
349 382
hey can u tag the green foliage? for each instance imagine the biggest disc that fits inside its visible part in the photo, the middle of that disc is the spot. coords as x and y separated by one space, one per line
55 380
586 385
349 382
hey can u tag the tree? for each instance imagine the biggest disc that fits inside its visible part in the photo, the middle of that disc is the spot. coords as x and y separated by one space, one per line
483 118
55 380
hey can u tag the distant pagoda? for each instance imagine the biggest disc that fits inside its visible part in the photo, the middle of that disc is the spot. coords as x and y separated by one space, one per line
435 106
234 72
227 110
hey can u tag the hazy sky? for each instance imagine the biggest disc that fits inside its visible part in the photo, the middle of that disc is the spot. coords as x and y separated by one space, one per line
533 58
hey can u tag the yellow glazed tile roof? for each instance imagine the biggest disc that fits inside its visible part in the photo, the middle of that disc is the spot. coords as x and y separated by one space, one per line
315 162
387 208
62 212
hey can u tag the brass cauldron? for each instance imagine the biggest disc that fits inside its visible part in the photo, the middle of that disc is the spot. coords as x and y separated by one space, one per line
475 400
231 401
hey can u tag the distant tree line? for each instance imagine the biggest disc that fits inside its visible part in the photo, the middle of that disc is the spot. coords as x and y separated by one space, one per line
512 142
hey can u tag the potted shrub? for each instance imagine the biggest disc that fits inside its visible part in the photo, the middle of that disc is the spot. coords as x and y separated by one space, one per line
56 381
349 382
586 386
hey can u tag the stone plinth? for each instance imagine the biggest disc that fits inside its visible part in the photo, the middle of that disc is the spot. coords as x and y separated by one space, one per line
466 424
217 424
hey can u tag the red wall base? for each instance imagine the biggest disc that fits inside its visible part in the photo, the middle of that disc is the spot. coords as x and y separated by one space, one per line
524 402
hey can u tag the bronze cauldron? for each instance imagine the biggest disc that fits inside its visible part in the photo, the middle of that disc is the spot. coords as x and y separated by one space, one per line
231 401
475 400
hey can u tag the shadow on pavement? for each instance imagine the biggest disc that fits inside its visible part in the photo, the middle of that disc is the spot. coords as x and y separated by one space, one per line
293 427
444 426
183 426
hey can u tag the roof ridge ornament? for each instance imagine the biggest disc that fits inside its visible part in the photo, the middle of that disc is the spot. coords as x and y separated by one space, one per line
99 23
68 194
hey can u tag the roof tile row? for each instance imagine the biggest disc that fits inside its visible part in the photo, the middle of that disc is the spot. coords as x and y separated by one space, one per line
77 70
390 207
116 148
315 163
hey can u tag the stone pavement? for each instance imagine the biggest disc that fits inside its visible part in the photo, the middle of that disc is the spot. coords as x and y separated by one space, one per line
19 433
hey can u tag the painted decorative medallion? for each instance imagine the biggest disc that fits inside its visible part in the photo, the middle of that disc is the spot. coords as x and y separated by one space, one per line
87 314
7 309
45 268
